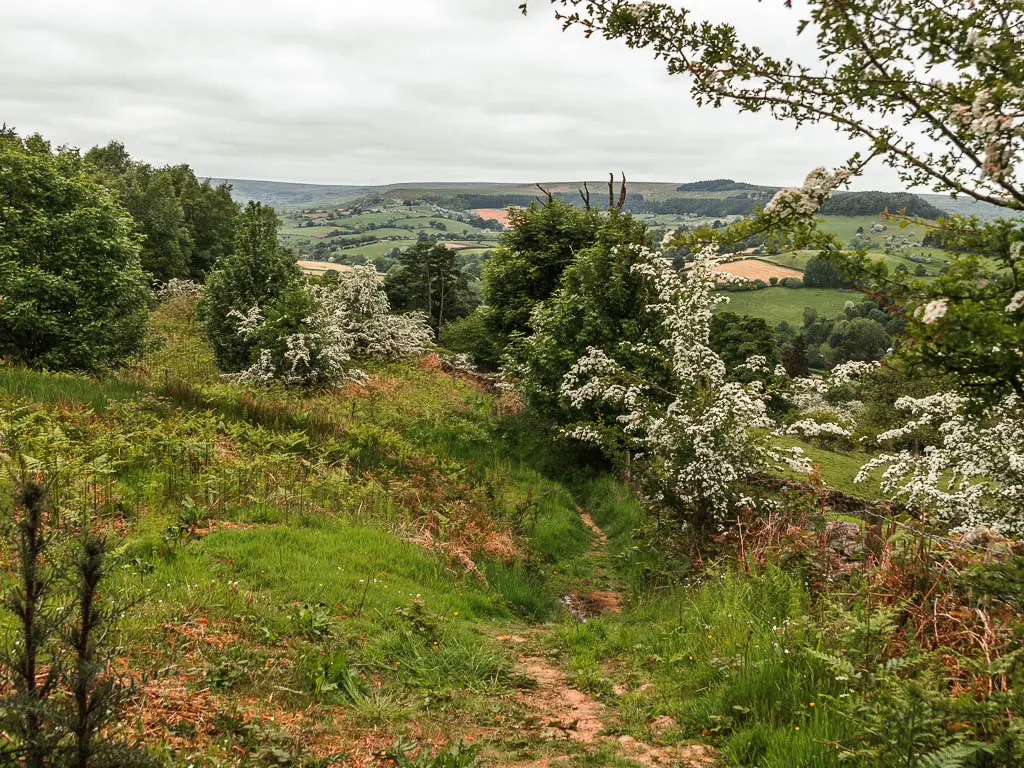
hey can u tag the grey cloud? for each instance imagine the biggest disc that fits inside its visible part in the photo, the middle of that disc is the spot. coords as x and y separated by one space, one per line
382 91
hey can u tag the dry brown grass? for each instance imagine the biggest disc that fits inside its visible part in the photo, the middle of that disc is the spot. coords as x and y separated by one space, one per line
754 269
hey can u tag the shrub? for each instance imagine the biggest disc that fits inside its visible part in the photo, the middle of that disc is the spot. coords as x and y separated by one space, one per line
74 293
470 335
309 336
257 274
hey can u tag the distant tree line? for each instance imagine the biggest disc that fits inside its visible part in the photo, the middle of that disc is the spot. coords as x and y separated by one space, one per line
715 185
734 205
185 224
742 204
467 202
873 203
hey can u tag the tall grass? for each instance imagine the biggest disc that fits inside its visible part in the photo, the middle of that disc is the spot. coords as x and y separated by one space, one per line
725 659
57 388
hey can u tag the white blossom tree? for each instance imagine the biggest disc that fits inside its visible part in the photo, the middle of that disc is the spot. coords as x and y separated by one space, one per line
314 338
695 442
973 476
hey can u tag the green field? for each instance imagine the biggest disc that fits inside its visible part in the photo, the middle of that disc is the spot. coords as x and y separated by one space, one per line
311 231
939 258
374 250
778 304
791 259
845 227
451 226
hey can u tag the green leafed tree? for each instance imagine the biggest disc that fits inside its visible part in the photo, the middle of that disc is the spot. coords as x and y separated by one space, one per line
820 272
151 198
527 267
185 225
737 338
211 216
428 279
73 294
256 274
794 358
599 301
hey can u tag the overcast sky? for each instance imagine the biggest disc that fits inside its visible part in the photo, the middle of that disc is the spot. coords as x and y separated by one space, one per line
384 91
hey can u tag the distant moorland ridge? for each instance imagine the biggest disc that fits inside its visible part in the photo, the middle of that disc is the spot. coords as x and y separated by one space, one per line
718 197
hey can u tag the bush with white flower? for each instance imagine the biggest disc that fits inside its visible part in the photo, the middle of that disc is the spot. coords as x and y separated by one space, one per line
695 441
357 303
972 475
824 432
178 289
312 335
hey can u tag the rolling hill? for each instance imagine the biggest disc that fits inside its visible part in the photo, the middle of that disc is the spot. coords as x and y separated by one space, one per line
708 196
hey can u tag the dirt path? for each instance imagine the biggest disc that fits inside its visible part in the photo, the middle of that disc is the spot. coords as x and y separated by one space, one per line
565 716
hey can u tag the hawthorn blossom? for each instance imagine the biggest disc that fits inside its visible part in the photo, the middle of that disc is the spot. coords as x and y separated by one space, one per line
973 475
1000 131
813 394
796 460
844 373
351 318
176 288
756 364
935 311
248 322
804 202
812 429
262 372
697 442
358 306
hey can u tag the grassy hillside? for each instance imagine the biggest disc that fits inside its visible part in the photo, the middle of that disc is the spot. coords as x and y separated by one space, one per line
778 304
281 194
965 206
398 573
319 573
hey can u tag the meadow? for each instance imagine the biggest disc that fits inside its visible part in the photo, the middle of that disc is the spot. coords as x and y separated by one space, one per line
776 304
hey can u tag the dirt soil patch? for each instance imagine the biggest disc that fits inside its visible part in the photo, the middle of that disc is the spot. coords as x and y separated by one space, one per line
561 713
755 269
492 214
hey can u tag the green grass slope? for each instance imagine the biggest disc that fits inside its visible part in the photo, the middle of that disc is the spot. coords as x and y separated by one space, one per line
778 304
